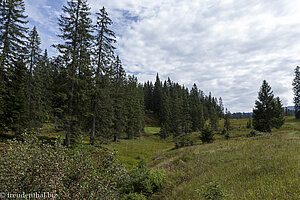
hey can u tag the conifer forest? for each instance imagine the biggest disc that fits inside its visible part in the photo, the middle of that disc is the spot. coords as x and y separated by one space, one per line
80 125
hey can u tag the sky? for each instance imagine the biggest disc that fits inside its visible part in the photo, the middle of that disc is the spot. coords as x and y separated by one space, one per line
227 47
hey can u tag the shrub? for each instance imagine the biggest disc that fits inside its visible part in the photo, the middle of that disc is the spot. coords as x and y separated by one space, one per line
254 133
212 190
207 135
134 196
142 180
32 166
184 140
227 136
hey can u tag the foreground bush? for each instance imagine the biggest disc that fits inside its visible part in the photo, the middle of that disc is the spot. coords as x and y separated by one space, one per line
184 140
254 133
207 135
212 190
134 196
142 180
32 166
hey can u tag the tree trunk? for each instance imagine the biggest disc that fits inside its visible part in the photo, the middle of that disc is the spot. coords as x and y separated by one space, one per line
115 138
92 137
67 140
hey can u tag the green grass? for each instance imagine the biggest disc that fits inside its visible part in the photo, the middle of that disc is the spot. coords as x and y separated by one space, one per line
264 167
146 147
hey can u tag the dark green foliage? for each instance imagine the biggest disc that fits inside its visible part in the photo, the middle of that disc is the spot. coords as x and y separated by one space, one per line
207 135
226 134
32 165
134 196
15 111
181 111
214 118
135 108
268 110
12 34
157 96
227 118
296 89
12 51
102 94
212 190
184 140
75 26
34 84
254 133
197 117
249 123
142 180
119 106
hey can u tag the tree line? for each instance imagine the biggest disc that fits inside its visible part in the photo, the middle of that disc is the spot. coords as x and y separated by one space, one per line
180 110
83 89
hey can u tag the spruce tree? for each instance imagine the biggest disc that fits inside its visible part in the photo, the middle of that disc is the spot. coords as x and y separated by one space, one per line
45 73
157 93
268 110
135 108
16 111
33 79
103 57
75 26
296 89
196 109
119 106
12 49
227 118
13 33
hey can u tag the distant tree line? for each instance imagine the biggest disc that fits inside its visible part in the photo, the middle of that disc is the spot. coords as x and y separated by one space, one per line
83 89
180 110
243 115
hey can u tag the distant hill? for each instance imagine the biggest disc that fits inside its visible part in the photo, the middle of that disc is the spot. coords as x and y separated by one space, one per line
288 111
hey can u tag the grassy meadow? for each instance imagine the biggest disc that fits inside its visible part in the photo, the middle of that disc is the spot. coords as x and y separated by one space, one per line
264 167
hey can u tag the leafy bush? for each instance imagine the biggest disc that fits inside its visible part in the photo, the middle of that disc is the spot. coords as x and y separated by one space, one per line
142 180
32 166
212 190
134 196
207 135
184 140
254 133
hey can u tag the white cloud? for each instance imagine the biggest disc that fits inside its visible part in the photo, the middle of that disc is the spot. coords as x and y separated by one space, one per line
226 47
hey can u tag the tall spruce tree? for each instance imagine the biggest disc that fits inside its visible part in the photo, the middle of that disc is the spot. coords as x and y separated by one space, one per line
76 27
103 57
12 48
296 89
135 108
196 110
119 106
16 111
33 86
13 32
227 118
157 93
268 110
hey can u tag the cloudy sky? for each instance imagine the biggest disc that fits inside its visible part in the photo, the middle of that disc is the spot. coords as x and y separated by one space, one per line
227 47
